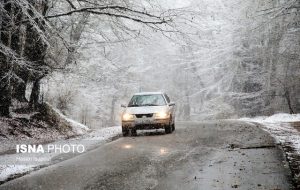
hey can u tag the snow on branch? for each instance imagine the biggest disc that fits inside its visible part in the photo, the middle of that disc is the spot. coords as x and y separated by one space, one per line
123 12
21 62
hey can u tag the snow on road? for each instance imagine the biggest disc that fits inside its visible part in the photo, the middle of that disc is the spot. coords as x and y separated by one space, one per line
276 118
12 166
280 126
285 128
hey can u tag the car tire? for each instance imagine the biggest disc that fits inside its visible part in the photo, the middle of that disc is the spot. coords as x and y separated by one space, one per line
168 129
173 127
133 132
125 131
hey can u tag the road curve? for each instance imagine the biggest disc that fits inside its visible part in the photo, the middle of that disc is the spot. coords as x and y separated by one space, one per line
214 155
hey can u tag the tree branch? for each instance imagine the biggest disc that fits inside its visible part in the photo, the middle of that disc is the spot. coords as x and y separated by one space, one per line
71 4
96 10
128 17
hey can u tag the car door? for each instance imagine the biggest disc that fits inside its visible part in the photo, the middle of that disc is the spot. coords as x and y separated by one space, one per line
172 107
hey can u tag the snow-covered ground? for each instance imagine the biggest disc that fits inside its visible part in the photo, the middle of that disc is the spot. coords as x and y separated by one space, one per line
281 127
285 128
276 118
77 127
14 164
30 128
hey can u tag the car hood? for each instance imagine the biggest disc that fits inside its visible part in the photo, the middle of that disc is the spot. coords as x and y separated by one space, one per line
146 109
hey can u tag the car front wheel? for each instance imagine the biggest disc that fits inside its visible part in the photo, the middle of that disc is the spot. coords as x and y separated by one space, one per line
125 131
168 129
133 132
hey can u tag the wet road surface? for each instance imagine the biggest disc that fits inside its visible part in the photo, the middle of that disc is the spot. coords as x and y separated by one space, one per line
214 155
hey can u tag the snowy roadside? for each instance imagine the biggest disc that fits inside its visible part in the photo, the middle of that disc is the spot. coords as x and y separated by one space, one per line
12 165
281 127
285 128
37 128
77 127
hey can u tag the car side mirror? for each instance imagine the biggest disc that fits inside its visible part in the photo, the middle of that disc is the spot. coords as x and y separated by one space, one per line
123 106
172 104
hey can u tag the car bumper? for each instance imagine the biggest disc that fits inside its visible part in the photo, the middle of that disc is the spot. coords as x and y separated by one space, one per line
155 124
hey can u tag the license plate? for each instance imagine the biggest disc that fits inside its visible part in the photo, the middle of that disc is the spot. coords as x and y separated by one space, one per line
144 121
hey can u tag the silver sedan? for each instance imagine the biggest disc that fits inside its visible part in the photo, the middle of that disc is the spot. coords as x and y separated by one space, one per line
148 110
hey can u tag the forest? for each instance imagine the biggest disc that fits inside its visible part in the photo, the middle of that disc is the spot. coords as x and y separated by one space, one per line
216 59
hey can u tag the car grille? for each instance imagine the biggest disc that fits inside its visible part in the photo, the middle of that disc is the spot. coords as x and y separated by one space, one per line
142 115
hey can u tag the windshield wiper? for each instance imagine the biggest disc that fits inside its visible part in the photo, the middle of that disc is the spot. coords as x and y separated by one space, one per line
134 105
150 105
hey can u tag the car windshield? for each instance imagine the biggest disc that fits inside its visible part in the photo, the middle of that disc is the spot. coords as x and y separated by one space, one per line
147 100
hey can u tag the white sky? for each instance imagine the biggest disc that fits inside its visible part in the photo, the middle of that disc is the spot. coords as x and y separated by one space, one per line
175 4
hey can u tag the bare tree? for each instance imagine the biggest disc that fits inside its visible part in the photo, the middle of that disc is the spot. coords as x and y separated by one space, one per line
27 26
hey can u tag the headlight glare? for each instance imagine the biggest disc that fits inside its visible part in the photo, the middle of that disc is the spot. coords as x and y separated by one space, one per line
162 115
127 117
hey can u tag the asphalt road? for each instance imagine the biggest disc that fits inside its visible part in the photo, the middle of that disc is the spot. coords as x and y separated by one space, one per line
208 156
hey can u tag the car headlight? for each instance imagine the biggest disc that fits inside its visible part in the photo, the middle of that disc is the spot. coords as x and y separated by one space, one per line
162 115
127 117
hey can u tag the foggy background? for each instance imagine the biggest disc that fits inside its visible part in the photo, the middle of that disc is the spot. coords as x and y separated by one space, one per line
217 59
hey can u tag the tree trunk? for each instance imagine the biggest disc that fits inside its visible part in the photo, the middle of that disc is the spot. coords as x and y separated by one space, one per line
19 91
288 99
18 44
35 51
187 109
35 94
75 36
112 113
5 88
5 67
5 98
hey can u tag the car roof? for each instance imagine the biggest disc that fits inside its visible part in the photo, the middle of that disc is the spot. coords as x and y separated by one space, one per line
148 93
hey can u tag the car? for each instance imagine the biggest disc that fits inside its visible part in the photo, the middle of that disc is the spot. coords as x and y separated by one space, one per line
148 110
